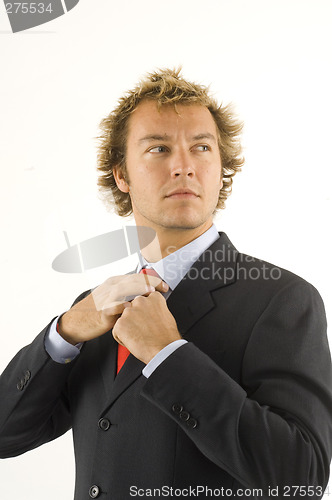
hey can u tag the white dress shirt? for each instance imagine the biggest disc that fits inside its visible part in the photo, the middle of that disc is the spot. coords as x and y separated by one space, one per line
172 270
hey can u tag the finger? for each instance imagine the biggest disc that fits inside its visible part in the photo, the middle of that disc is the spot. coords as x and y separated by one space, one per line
137 280
156 282
139 285
153 292
115 308
125 290
117 338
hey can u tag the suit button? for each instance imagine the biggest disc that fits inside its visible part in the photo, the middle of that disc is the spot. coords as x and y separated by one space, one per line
184 415
192 423
27 376
104 424
94 491
20 385
177 408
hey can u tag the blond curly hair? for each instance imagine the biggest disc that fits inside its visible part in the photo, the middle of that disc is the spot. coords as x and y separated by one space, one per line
164 86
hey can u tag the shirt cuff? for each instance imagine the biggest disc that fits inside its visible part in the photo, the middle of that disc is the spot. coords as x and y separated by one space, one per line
161 356
58 348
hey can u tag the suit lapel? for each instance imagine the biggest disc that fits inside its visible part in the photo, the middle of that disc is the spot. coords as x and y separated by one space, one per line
131 370
114 384
192 298
108 357
188 303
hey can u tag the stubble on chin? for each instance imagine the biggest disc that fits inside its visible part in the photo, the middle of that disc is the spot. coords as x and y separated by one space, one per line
181 222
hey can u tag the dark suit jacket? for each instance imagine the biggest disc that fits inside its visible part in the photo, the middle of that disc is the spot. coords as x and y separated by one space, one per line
245 404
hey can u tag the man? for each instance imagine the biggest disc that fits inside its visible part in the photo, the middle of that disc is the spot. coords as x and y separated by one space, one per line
226 390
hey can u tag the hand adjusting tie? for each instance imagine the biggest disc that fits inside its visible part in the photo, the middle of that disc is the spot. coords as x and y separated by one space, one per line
123 352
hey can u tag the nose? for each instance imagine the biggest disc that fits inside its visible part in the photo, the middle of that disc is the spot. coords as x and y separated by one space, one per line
182 164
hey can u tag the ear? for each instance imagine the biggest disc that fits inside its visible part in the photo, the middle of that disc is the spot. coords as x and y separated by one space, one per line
221 177
120 180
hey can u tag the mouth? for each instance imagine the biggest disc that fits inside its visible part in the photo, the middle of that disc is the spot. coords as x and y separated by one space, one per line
182 194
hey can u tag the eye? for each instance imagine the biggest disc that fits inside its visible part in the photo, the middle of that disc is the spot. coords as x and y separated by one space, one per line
203 147
158 149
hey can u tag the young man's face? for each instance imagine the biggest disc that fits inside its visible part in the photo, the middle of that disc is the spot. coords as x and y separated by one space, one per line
173 166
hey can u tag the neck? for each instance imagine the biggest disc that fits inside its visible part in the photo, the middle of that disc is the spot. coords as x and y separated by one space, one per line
168 240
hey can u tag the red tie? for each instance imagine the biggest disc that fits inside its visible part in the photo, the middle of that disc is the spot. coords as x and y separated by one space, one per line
123 352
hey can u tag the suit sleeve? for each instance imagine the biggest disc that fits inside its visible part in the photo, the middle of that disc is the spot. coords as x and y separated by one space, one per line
34 407
275 429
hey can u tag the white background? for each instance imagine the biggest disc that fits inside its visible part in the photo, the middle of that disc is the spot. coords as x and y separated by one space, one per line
272 58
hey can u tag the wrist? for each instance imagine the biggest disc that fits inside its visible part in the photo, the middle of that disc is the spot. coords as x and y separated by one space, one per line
149 356
162 356
63 329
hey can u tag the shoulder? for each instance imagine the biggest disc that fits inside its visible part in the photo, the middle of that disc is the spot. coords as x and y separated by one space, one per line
262 277
255 279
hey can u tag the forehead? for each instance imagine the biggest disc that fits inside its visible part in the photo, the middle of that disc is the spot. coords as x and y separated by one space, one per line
168 119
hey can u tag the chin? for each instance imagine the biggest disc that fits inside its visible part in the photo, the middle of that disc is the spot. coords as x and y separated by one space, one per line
182 222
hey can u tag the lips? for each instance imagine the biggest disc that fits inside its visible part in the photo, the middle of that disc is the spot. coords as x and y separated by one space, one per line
182 193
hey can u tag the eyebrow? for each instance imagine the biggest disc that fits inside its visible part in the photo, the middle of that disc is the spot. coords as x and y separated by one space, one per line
206 135
155 137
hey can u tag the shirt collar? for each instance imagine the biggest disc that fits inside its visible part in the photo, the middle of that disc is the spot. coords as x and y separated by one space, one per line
175 266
